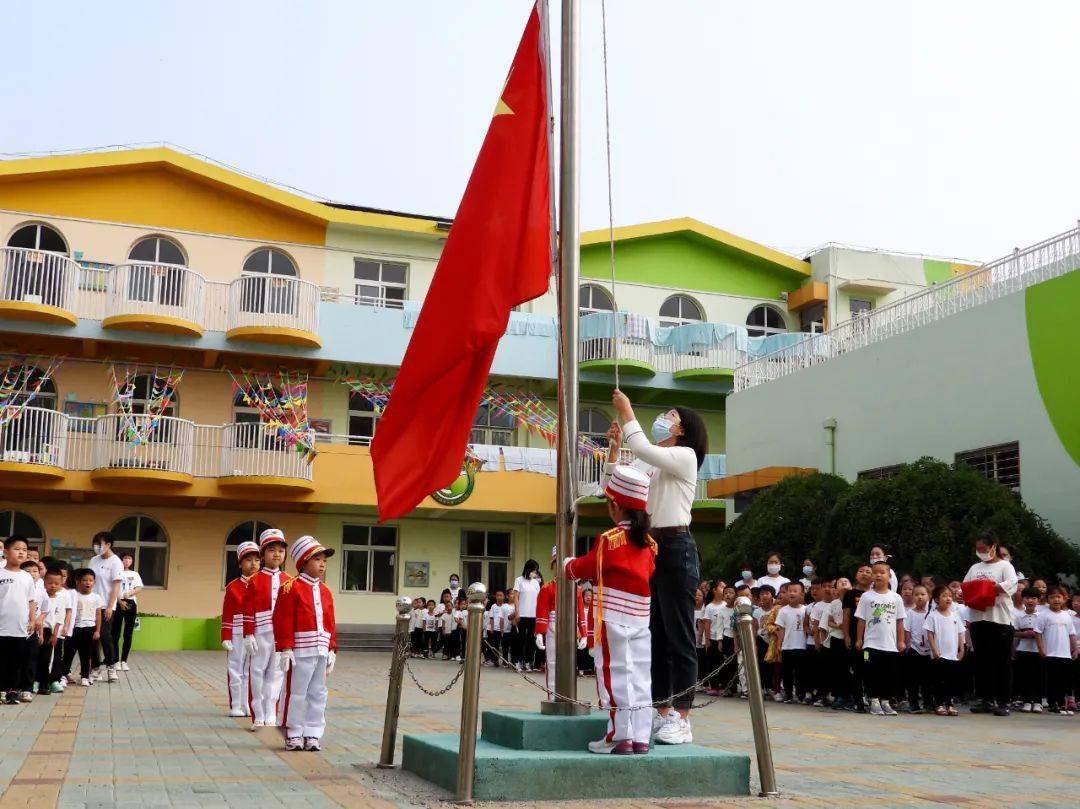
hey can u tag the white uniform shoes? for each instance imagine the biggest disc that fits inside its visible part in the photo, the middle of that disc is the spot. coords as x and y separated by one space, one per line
601 746
673 729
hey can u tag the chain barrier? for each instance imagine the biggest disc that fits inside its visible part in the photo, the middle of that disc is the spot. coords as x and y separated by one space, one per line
444 690
650 706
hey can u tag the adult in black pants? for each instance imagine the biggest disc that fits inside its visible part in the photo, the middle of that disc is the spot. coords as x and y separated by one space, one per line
527 586
992 629
671 459
107 569
127 610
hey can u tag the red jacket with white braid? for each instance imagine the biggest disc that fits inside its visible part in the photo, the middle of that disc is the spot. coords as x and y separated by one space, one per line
232 609
304 618
621 571
545 609
259 600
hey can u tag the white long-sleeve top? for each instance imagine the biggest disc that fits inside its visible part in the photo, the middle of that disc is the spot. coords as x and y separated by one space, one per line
672 475
999 572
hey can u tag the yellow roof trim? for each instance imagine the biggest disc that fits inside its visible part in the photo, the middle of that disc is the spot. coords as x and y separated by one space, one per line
688 224
105 161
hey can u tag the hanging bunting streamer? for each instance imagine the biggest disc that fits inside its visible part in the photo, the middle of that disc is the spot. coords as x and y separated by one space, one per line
527 409
21 379
281 400
138 428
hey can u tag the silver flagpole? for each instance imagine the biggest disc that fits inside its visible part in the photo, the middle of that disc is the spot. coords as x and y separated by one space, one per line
569 262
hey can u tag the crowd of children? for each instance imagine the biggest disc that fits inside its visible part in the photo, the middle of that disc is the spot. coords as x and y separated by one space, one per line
996 640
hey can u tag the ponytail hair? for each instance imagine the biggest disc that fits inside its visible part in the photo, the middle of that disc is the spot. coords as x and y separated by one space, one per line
639 526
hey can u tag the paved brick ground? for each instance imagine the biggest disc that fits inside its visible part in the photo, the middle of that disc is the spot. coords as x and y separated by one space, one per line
160 738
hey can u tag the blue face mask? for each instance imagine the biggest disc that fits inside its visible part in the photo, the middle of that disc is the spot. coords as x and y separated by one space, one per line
661 429
807 571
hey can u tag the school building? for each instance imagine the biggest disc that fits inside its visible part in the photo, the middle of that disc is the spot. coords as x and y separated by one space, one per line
122 268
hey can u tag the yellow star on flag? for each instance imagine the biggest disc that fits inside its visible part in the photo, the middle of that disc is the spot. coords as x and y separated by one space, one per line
502 108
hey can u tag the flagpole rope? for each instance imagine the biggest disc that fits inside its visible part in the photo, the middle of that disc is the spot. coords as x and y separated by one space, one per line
610 202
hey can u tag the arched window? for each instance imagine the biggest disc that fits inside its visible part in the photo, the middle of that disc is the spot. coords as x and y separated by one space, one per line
30 438
764 320
592 298
594 423
18 523
679 310
245 532
38 237
146 541
264 288
141 396
362 420
156 277
157 250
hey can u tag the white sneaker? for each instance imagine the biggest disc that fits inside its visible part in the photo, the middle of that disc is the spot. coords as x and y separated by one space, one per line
675 732
124 666
1026 707
601 746
26 696
256 725
85 682
112 676
660 719
778 697
1037 708
63 679
238 712
887 708
875 707
97 674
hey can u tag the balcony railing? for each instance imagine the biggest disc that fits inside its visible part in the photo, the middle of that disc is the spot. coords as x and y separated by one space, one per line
275 301
664 359
139 443
1013 273
37 438
144 290
249 451
38 278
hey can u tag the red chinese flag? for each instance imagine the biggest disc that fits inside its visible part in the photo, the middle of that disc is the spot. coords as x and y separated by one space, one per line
498 255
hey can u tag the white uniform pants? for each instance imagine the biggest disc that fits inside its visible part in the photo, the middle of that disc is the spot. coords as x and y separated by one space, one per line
623 678
303 710
549 660
237 673
266 678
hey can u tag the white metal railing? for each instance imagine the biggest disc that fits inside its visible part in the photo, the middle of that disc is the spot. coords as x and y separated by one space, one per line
138 442
664 359
273 300
37 437
92 294
143 288
38 276
1015 272
247 449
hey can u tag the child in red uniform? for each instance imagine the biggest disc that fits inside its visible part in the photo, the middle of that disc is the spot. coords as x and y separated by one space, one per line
232 628
259 601
621 563
545 626
306 636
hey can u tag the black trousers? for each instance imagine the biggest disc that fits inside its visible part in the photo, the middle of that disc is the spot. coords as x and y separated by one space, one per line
793 672
123 625
1057 680
1029 678
29 668
993 674
913 671
70 649
416 638
12 662
58 656
945 676
881 670
105 649
526 642
43 663
671 620
835 668
431 641
86 646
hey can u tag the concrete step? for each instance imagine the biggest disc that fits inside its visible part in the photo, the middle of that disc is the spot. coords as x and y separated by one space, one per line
366 640
541 758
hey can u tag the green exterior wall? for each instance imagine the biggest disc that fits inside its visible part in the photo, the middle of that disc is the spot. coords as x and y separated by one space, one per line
688 262
937 271
1053 330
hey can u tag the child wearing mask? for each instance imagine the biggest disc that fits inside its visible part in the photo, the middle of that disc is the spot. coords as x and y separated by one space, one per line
774 580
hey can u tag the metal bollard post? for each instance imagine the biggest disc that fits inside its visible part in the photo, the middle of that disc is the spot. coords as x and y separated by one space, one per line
470 695
762 745
393 689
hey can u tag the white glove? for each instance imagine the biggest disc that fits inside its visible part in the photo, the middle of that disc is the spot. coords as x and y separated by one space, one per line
226 645
540 642
567 561
284 659
582 643
331 659
250 645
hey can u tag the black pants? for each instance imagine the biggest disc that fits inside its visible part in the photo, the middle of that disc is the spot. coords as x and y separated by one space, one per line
945 675
764 668
1057 680
29 668
12 662
585 662
913 669
107 652
43 663
417 639
123 624
86 646
526 642
993 674
431 641
449 644
671 620
835 669
59 654
793 672
881 673
1029 677
858 674
70 649
812 671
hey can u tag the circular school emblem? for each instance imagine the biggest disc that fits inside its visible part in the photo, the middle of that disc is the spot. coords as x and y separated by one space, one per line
462 488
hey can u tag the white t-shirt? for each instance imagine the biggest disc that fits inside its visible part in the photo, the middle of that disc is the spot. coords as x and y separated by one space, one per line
72 596
1025 621
699 635
881 612
711 613
791 620
527 590
431 621
817 609
106 572
1056 628
16 594
672 475
447 622
499 617
833 612
130 580
775 582
54 609
1000 572
86 607
463 617
915 623
948 631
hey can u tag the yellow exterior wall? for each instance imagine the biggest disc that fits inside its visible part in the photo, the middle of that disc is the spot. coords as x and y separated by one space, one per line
421 253
158 197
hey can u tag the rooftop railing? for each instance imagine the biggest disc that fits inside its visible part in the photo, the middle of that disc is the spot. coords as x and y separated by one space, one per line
1012 273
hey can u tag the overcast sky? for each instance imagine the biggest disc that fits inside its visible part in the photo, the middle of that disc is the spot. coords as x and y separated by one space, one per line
942 128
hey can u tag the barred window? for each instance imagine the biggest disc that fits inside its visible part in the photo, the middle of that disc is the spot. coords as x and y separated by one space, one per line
1000 463
880 473
370 561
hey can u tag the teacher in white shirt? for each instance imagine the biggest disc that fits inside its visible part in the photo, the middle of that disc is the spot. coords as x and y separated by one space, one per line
671 460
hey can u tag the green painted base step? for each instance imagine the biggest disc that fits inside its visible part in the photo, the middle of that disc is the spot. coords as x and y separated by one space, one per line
528 756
